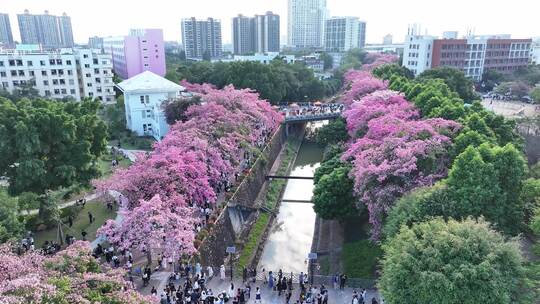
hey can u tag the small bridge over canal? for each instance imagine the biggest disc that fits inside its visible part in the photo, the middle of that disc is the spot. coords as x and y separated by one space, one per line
306 112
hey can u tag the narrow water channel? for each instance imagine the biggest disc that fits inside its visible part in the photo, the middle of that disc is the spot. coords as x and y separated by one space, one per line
291 236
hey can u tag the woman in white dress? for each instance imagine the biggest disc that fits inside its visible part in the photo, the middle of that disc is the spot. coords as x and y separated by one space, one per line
222 272
210 272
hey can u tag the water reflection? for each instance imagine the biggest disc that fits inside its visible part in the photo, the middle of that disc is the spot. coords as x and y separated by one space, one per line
291 236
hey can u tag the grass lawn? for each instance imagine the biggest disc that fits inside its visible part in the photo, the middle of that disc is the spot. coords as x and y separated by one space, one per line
251 244
105 165
99 211
360 259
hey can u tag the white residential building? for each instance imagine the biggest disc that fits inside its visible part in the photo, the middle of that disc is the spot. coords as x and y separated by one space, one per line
535 53
64 73
144 95
344 33
306 21
417 53
264 58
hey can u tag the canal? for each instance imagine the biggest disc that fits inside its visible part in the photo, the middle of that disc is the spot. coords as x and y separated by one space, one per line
291 235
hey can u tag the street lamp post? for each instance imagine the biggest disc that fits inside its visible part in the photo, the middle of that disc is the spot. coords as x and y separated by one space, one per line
231 250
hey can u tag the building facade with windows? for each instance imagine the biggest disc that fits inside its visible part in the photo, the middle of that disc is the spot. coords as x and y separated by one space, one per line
474 55
52 32
202 38
6 35
306 21
344 33
259 34
144 96
142 50
65 73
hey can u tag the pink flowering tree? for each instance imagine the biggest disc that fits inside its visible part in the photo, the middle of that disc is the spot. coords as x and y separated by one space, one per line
154 225
188 168
70 276
392 150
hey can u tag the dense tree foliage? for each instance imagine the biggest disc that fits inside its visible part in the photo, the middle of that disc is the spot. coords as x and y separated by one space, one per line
176 109
332 133
514 88
70 276
333 195
275 82
10 226
114 116
451 262
388 70
47 144
454 79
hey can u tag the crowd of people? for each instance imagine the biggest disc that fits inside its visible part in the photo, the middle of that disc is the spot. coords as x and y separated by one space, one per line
311 109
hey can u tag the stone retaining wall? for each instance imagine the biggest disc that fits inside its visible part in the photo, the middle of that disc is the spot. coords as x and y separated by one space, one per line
222 234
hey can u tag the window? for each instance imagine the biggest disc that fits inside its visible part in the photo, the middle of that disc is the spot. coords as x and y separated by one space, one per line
62 81
5 85
1 63
98 80
45 82
32 73
70 72
53 72
96 71
63 91
68 62
71 82
11 62
91 94
56 91
88 75
43 73
104 62
146 64
19 62
29 63
13 73
86 65
85 56
72 91
3 74
52 62
147 98
89 85
15 83
55 82
21 73
42 62
144 128
59 61
95 61
47 93
141 98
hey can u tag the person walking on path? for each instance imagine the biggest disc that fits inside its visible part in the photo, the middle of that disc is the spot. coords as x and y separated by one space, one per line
222 272
258 296
90 217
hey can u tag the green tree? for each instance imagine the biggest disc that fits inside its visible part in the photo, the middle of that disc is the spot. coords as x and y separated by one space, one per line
514 88
490 79
332 133
451 262
487 181
386 71
114 116
333 195
175 109
454 78
28 201
327 167
10 226
530 196
328 60
535 94
47 144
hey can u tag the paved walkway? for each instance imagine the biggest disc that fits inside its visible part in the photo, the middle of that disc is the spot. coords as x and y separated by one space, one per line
89 197
217 286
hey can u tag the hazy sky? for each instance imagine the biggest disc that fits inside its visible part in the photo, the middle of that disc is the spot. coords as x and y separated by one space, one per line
116 17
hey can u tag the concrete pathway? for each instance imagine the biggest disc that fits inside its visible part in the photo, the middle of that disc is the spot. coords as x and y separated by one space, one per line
336 296
89 197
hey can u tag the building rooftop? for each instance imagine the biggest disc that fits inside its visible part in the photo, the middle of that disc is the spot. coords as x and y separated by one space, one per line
147 82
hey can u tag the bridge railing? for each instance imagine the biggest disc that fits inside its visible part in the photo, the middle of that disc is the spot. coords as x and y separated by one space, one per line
312 116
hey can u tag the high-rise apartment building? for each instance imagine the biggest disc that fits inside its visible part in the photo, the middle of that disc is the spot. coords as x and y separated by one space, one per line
6 36
76 73
142 50
344 33
52 32
474 55
243 35
259 34
306 23
202 38
95 42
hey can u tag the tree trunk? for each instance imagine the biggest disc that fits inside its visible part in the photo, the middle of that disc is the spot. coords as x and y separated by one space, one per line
148 257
